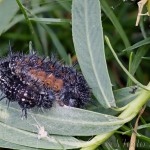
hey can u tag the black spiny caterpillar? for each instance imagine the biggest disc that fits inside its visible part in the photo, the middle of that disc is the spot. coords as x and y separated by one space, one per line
34 81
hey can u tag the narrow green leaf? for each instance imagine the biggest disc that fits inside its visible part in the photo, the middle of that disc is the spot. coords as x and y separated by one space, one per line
129 132
43 38
138 58
8 9
89 47
26 17
142 27
138 44
34 36
146 58
129 81
65 4
60 120
110 14
139 54
122 96
50 20
125 95
61 50
59 46
124 69
144 126
34 11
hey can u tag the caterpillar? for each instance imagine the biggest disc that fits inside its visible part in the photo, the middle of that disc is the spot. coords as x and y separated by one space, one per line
32 81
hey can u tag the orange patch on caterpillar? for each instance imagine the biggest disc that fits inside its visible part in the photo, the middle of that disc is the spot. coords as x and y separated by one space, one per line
41 75
49 81
58 84
53 82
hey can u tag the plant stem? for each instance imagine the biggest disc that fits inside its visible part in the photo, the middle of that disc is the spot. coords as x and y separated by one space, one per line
124 69
131 111
34 36
26 17
129 82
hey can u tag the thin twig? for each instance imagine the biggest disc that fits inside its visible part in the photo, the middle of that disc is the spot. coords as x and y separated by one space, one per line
133 137
141 4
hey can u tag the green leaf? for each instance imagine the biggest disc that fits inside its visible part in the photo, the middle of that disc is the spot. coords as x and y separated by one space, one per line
8 9
20 18
43 38
6 144
124 69
89 47
50 20
138 58
65 4
144 126
122 96
17 136
138 44
60 120
146 58
34 37
139 54
59 46
108 11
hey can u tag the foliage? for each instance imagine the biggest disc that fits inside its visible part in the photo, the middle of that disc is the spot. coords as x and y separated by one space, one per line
75 30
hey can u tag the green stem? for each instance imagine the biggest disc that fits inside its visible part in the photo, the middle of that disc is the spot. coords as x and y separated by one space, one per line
124 69
26 16
35 38
129 83
131 111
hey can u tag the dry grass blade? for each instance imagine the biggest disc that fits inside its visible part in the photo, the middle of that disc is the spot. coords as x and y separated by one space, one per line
133 137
